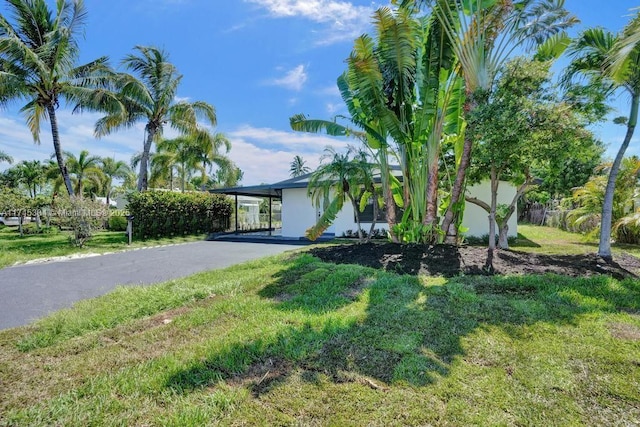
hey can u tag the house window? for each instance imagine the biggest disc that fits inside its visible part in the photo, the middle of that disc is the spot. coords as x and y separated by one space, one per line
367 214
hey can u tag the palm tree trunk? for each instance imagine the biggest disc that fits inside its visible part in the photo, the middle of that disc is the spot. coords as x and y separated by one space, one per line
452 213
431 214
604 248
143 179
58 149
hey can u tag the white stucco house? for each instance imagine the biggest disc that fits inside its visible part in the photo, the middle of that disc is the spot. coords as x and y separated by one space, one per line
299 212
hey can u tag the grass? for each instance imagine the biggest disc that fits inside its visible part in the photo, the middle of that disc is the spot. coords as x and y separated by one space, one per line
16 249
553 241
290 340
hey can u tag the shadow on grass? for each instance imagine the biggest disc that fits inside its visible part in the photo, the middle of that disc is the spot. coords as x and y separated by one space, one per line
410 332
524 242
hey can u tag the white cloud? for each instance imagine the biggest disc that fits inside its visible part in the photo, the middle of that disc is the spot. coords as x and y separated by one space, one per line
293 79
343 20
265 154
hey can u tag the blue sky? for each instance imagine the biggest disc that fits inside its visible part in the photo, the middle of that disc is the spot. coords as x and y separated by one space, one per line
257 61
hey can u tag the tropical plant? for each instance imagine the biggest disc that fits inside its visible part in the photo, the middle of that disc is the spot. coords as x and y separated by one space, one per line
208 150
112 168
150 96
338 179
604 59
4 157
83 168
483 34
32 174
403 96
180 154
298 167
38 54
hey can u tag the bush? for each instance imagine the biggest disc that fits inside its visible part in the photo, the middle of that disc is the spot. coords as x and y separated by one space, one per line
82 216
117 223
166 214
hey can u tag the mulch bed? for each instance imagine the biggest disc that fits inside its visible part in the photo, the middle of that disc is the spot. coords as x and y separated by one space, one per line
449 261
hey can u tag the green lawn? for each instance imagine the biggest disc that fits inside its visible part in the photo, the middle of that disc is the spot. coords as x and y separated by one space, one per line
290 340
553 241
16 249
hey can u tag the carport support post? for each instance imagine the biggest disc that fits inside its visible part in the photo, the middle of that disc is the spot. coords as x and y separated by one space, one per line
236 214
270 215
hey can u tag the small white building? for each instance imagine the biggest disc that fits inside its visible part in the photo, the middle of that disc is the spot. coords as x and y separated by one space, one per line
299 212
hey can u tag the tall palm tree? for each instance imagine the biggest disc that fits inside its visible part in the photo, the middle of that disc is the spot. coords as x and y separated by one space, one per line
112 168
612 62
150 95
38 54
298 167
4 157
84 168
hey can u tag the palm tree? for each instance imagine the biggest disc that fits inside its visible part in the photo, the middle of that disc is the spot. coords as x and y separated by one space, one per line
112 168
403 97
331 185
84 167
32 174
298 167
605 59
181 153
208 149
151 97
4 157
38 54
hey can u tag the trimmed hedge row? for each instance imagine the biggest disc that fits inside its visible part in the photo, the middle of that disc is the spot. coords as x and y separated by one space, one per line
166 214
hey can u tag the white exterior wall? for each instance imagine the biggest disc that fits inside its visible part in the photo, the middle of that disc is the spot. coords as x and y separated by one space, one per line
346 221
298 213
477 219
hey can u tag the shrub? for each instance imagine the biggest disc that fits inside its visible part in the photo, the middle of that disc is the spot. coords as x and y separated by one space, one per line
117 223
82 216
166 214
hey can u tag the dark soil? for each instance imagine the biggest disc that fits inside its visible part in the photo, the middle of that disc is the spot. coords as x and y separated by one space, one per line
449 261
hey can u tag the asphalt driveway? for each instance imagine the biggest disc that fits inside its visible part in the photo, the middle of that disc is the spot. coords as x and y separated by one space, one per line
28 292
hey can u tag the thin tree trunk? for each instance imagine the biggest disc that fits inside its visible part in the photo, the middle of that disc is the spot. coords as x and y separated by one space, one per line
453 210
143 179
375 214
387 194
431 215
604 248
451 215
357 216
58 149
494 206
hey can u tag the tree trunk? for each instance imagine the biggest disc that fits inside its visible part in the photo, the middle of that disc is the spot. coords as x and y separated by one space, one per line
494 206
387 194
375 214
604 248
143 179
431 215
453 210
357 216
503 237
58 149
452 213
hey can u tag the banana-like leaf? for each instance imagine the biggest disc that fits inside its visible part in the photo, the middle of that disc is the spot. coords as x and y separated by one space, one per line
326 219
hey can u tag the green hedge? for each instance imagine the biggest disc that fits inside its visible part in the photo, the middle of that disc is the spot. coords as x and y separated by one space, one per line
165 214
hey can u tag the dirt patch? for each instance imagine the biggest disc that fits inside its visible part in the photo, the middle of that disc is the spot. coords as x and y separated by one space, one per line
624 331
449 261
261 376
